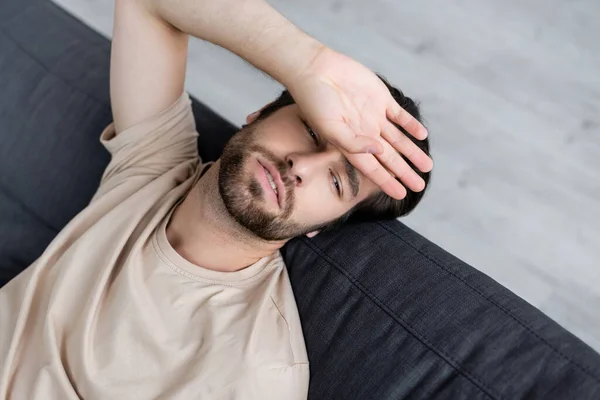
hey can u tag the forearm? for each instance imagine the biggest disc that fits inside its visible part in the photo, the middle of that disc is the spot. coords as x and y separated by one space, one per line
252 29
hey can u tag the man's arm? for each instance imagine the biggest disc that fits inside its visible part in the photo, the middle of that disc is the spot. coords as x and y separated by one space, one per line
345 101
150 42
147 64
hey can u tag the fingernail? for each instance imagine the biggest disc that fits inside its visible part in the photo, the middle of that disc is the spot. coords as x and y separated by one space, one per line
372 150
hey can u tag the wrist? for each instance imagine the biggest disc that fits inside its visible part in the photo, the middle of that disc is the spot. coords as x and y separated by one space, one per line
301 55
265 38
280 49
252 29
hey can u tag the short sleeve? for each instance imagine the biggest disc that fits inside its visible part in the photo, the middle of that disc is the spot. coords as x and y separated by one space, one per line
274 383
150 148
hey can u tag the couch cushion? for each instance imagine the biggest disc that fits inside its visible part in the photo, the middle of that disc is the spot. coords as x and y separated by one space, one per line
386 314
389 315
54 103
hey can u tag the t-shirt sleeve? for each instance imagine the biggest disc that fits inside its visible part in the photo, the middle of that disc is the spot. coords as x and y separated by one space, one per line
150 148
273 383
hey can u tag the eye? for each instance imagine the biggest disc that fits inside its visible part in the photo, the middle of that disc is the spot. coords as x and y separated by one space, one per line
337 185
311 133
314 136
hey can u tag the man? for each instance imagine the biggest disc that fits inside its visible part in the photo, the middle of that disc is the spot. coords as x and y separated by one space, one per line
170 284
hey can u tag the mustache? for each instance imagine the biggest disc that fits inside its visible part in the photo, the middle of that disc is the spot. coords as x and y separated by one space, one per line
282 167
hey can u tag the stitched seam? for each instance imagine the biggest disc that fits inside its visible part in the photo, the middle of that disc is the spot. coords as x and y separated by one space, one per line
17 14
175 268
41 64
448 359
195 278
286 324
499 306
22 205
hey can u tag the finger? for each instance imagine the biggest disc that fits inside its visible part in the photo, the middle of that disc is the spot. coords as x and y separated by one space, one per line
353 143
403 118
393 161
374 171
407 147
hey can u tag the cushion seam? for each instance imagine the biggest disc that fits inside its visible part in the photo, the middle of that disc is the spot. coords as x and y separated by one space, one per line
17 14
497 305
448 359
41 64
22 205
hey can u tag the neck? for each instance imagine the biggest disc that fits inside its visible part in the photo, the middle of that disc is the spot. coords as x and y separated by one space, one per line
203 232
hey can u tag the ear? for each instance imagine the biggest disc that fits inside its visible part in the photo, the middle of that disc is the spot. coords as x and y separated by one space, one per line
252 117
312 234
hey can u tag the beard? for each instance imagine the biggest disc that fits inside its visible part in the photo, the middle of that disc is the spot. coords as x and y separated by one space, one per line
243 195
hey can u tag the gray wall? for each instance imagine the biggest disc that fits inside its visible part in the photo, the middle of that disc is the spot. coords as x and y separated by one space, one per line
511 95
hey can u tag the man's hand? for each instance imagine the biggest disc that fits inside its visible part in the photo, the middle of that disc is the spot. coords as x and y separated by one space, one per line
340 98
349 106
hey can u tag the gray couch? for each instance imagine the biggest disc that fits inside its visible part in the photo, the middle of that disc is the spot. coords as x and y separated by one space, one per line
386 313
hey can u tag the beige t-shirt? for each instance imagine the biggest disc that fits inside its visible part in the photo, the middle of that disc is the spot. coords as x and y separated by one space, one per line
111 311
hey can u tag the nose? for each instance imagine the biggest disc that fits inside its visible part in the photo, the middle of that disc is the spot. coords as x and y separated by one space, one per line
306 167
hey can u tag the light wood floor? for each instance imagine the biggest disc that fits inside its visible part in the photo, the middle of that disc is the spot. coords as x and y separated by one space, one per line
511 94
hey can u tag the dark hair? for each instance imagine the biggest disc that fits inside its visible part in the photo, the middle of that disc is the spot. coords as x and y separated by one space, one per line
378 206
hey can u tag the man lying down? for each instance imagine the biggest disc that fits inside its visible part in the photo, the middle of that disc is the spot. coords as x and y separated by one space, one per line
170 284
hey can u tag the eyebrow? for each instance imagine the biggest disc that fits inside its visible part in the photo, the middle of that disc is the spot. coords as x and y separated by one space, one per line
351 176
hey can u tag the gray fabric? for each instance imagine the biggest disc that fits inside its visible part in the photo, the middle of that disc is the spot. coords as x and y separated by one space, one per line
389 315
386 313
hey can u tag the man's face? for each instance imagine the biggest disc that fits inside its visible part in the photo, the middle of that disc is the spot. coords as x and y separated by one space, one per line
307 175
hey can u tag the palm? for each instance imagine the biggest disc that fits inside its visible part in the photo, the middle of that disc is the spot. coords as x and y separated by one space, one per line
351 107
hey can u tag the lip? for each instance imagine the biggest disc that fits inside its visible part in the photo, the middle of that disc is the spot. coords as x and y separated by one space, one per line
277 178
